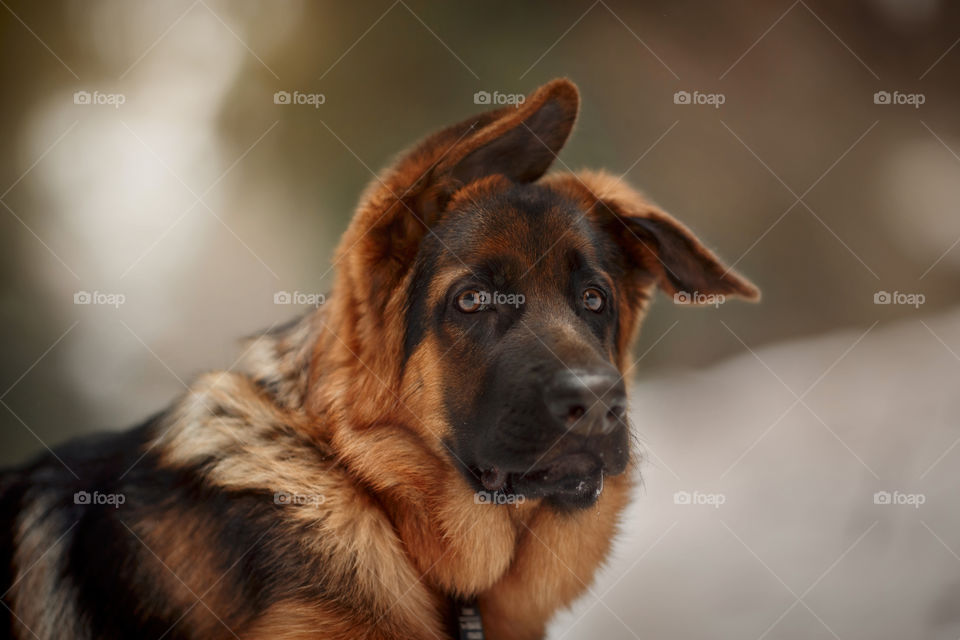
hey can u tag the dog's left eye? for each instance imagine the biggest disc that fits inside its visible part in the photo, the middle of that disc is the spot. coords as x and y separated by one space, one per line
470 301
593 300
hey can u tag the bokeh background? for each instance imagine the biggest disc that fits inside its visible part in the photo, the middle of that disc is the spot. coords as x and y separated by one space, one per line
186 192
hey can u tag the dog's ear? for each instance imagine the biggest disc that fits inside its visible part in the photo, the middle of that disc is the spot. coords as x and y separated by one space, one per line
518 142
685 268
656 242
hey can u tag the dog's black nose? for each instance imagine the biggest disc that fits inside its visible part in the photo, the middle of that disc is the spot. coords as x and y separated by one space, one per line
587 402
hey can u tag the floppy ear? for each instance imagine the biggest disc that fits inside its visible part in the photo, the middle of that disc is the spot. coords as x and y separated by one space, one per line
657 243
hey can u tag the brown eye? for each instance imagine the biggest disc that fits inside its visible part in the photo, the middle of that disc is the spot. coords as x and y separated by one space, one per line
470 301
593 300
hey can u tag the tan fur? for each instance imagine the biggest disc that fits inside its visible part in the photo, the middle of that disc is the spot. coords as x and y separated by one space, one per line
260 445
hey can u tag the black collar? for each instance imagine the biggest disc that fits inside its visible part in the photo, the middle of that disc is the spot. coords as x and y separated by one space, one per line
465 620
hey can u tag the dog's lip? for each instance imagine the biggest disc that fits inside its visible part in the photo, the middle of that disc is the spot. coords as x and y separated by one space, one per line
578 464
577 472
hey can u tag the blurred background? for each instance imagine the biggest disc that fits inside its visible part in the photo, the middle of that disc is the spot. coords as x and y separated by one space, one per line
168 168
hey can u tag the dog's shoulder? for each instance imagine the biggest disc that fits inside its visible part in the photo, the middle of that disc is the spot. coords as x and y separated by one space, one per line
228 496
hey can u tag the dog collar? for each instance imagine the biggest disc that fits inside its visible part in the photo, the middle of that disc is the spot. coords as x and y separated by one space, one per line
466 622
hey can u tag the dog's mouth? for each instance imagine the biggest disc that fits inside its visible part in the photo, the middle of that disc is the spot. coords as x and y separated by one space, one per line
573 479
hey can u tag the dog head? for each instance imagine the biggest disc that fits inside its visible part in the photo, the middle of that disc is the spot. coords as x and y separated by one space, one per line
491 309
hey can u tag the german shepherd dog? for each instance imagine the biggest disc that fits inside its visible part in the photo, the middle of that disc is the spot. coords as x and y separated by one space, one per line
449 430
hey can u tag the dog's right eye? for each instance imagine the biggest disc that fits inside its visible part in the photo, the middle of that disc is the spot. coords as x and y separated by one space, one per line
470 301
593 300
